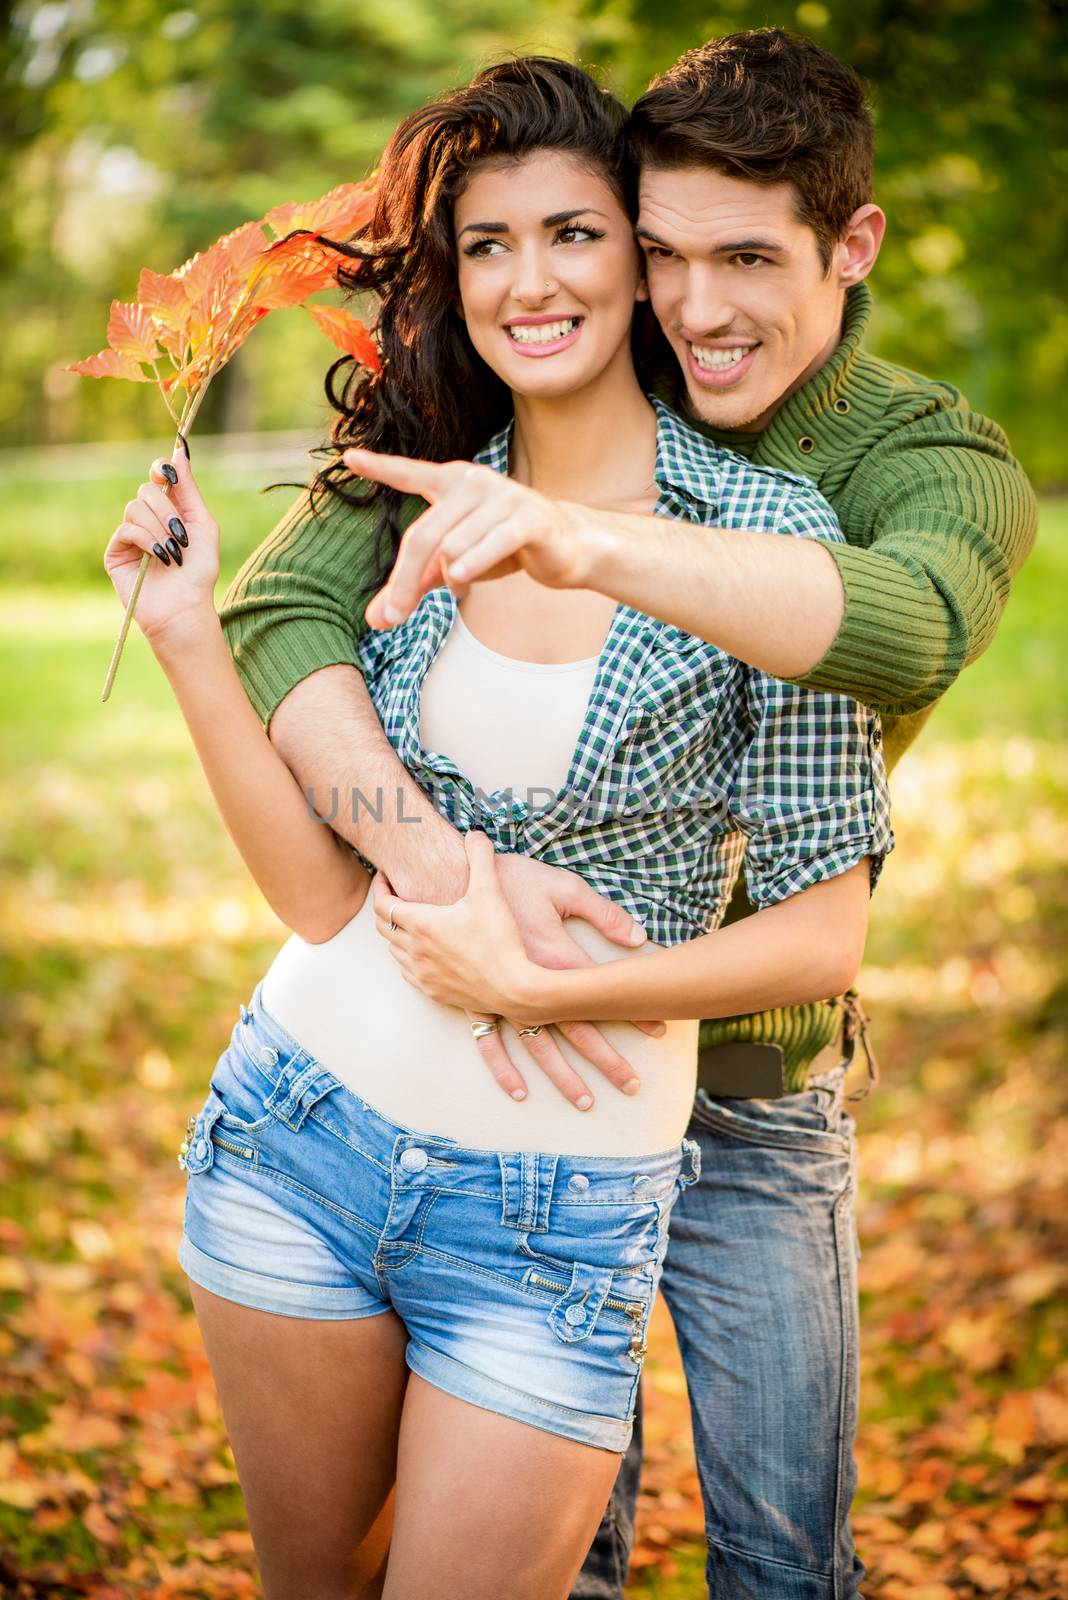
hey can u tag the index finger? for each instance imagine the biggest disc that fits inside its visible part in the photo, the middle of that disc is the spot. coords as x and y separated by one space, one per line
411 476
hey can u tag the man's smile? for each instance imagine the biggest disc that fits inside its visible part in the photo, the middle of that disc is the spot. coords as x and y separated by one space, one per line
720 364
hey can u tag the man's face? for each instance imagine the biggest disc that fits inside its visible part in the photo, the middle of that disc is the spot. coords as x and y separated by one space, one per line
739 289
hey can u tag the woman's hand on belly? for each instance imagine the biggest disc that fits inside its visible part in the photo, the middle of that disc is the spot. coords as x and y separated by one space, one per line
471 955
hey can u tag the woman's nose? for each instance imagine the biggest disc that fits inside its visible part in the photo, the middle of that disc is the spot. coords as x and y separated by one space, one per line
534 283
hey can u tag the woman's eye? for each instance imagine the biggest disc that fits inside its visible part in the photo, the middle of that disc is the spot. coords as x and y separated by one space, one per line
484 247
577 235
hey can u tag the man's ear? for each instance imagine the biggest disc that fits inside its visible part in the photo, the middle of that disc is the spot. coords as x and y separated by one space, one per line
642 291
858 247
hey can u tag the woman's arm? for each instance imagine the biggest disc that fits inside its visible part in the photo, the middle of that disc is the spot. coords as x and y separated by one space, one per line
308 876
806 947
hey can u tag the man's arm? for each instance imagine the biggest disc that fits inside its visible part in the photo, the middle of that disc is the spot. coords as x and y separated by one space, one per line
889 619
327 729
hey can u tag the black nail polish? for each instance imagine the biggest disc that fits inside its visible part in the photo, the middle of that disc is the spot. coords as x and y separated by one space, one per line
177 527
169 472
164 557
183 441
175 550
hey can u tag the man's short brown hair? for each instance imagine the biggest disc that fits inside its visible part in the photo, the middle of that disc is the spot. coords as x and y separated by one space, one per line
772 107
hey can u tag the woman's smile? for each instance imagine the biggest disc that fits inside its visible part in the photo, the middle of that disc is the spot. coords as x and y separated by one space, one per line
544 335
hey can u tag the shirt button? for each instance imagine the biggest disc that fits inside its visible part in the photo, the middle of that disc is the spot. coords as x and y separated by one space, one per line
200 1149
414 1160
268 1056
841 405
579 1181
575 1315
806 444
877 736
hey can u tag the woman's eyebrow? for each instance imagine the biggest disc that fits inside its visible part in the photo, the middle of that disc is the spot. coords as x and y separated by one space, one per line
565 216
547 222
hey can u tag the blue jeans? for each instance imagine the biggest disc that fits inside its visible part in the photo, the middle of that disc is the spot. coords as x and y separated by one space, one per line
760 1280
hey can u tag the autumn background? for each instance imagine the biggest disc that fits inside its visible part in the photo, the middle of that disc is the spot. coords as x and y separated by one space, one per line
136 133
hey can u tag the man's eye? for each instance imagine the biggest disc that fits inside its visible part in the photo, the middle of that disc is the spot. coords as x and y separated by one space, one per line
659 252
749 258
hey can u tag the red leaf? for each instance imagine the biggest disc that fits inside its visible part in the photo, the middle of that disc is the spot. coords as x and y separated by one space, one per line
338 214
164 298
348 333
131 331
108 364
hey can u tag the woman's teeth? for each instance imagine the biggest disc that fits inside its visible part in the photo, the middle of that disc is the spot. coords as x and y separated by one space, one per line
720 360
541 333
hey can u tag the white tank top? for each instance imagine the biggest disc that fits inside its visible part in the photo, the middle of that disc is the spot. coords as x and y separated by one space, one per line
513 724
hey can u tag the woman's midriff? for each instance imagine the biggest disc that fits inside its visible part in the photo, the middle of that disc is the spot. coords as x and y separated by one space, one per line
413 1059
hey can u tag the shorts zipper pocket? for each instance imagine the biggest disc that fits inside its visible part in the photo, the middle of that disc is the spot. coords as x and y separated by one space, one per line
633 1308
236 1149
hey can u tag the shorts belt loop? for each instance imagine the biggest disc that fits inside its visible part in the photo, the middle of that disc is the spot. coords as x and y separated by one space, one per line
300 1086
527 1178
692 1149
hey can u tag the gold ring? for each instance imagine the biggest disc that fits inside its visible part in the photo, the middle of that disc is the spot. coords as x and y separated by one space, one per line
530 1033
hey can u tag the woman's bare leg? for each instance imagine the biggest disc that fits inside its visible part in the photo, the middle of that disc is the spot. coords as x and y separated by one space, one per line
487 1507
313 1410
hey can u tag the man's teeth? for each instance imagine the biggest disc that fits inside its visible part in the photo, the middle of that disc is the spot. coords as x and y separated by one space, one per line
541 333
720 360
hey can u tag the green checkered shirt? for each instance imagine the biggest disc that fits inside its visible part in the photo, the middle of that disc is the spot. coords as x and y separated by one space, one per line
687 760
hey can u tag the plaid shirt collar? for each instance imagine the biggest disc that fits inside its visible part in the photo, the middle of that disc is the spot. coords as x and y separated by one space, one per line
688 470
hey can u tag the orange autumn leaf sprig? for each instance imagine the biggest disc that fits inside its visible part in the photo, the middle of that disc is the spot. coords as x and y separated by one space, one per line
195 318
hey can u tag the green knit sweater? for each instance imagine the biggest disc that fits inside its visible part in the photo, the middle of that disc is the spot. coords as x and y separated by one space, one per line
937 515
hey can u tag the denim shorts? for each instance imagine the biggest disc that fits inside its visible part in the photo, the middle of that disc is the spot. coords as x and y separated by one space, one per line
525 1279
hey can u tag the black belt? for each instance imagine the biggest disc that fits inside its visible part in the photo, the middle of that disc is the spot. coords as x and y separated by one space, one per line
744 1071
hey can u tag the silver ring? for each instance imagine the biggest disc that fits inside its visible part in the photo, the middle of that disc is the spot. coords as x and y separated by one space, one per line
392 925
530 1033
480 1030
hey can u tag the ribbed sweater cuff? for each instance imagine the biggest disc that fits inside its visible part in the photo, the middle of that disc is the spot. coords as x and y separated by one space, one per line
892 650
271 665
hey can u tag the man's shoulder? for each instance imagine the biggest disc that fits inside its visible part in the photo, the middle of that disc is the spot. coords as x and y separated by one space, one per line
895 398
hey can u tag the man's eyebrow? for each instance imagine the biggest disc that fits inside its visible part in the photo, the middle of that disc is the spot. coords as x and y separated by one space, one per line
735 247
554 221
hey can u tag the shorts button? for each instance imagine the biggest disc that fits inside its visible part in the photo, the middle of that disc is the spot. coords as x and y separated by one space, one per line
414 1160
269 1056
578 1180
575 1315
200 1149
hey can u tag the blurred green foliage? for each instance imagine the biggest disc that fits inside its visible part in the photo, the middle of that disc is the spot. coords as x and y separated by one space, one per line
137 132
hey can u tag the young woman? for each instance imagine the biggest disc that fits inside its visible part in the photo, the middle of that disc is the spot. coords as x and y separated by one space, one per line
401 1274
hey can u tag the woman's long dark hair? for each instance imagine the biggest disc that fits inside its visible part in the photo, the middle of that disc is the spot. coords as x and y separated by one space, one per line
435 397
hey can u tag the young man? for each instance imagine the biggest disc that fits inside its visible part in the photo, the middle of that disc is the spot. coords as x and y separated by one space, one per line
759 229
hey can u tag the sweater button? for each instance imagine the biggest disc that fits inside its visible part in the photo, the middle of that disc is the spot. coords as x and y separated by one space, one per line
842 406
806 444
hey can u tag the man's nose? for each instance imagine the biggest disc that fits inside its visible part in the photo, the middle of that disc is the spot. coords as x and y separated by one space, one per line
705 312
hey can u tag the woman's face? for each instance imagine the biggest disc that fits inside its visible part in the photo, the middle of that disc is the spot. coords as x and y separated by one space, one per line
548 272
